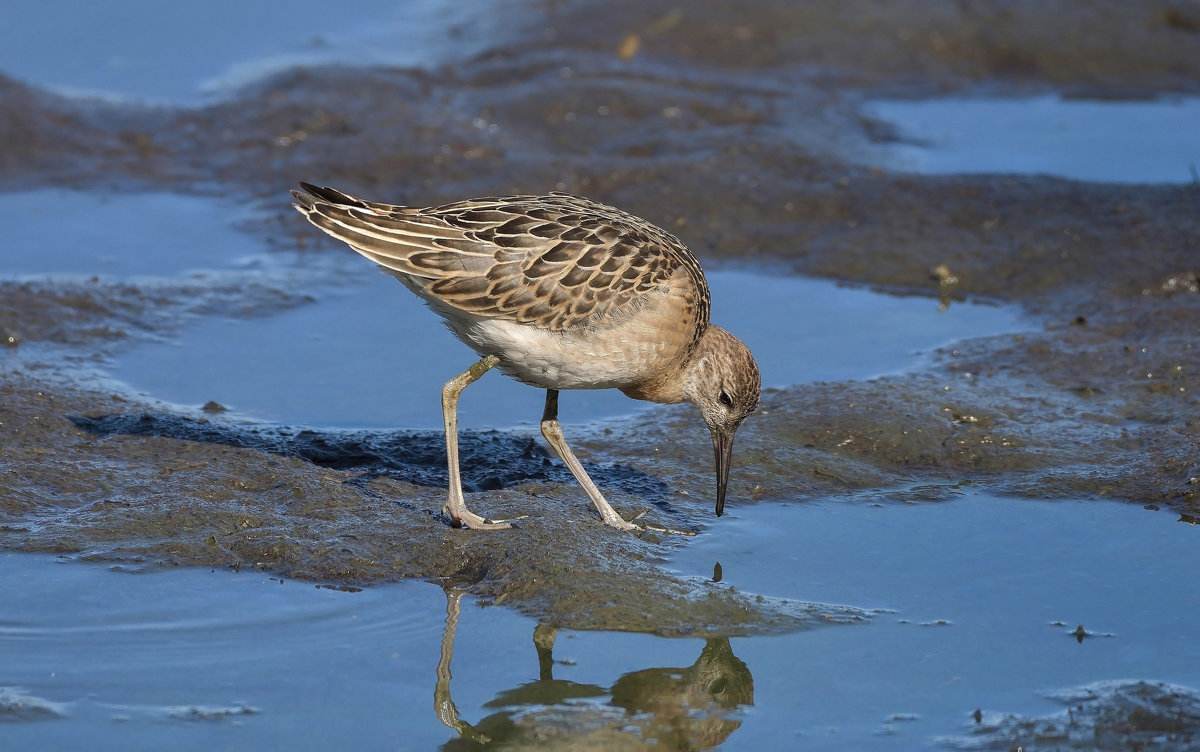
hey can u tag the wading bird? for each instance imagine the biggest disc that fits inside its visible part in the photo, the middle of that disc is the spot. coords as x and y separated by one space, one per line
558 292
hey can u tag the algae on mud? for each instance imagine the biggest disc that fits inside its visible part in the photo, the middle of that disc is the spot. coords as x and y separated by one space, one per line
697 132
1109 715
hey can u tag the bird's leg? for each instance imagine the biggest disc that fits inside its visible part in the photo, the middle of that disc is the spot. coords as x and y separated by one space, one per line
553 433
456 507
443 704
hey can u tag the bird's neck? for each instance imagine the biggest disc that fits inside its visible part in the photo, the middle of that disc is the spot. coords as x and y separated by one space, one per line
667 388
677 383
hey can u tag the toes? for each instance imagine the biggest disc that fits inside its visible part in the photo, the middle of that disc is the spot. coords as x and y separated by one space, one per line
472 521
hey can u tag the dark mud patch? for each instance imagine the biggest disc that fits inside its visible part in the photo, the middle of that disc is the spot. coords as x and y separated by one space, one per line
927 46
491 460
94 313
17 706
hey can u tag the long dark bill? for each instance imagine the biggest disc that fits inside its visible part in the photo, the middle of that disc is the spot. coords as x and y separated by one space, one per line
723 448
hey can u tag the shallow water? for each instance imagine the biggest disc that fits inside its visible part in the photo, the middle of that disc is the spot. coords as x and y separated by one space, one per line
119 235
372 355
1154 141
161 52
982 594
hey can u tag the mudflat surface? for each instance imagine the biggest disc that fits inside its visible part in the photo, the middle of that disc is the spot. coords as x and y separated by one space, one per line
737 126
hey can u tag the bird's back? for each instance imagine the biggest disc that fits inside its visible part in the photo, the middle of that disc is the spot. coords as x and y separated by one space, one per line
556 262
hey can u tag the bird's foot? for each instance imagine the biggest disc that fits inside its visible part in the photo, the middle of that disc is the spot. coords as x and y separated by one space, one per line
472 521
657 528
612 519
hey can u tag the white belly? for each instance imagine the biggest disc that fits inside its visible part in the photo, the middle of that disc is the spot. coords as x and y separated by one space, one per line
589 359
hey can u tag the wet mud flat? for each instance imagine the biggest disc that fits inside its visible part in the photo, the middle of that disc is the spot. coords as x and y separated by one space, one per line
1102 401
739 128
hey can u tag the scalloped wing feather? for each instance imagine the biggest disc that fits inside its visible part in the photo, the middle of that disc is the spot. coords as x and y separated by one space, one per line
556 262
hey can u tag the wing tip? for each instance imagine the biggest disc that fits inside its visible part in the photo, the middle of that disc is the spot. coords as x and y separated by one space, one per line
303 201
313 194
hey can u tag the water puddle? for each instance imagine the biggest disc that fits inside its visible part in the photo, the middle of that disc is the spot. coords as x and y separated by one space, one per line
1154 141
374 356
985 594
124 235
179 53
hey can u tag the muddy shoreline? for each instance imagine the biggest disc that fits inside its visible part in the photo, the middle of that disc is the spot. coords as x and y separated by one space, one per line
735 129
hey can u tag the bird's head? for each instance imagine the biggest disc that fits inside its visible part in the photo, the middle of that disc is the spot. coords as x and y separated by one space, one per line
724 384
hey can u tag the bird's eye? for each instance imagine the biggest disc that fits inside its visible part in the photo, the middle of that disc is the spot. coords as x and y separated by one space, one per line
725 399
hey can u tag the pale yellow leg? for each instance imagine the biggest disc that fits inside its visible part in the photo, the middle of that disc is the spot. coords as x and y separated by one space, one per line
456 507
553 433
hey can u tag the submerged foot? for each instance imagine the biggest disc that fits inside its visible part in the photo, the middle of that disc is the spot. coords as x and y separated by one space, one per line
635 526
646 525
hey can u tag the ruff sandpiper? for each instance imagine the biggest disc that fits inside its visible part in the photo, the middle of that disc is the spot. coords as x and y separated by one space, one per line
558 292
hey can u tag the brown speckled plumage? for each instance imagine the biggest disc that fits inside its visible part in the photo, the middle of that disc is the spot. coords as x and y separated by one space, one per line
559 292
555 262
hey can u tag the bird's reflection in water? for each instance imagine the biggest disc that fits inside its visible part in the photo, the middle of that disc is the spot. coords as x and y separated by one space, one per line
667 708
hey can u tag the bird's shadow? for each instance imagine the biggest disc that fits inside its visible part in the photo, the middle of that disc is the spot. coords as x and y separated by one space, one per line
489 460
